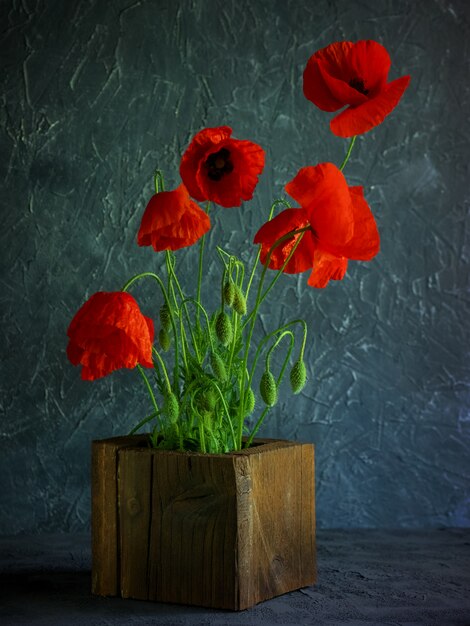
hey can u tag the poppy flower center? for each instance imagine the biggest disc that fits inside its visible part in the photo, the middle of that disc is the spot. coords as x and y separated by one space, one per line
219 164
358 85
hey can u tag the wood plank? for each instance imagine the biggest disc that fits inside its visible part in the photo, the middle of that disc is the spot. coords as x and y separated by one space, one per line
195 539
307 513
135 520
104 523
281 546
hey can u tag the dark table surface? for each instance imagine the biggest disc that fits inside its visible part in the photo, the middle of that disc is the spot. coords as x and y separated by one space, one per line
396 577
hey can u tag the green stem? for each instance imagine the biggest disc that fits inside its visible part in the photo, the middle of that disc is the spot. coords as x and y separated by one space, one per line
199 276
158 181
257 427
234 341
165 373
348 153
255 264
224 404
149 388
203 310
183 344
143 422
284 333
202 435
171 269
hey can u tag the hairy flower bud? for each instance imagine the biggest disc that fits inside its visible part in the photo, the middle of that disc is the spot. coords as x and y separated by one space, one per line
239 301
164 340
229 293
218 367
249 401
165 317
207 400
223 328
171 407
268 388
298 376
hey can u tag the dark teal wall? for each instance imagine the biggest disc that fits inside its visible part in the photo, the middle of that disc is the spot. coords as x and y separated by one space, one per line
95 95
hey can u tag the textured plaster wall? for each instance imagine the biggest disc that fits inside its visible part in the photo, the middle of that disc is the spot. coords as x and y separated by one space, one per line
95 95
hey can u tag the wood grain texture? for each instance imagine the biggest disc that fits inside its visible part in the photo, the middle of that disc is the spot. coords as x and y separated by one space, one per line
194 537
104 521
134 509
222 531
276 521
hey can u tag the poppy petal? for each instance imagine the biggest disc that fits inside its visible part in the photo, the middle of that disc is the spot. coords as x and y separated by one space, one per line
249 160
315 86
327 267
365 242
287 221
324 194
360 119
341 90
370 62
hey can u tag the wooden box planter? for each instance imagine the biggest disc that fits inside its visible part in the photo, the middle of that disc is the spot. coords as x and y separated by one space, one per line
222 531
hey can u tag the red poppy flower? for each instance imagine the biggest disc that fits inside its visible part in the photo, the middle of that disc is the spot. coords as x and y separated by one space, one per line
353 75
172 221
220 169
342 226
108 333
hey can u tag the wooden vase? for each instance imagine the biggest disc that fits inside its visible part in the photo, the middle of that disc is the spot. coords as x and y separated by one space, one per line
216 530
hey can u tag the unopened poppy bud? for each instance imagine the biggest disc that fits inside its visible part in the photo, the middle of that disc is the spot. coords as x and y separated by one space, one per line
223 328
208 399
165 317
249 401
229 293
218 367
239 301
268 388
298 376
164 340
171 407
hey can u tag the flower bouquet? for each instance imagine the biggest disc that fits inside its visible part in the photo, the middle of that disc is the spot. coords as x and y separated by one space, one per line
210 389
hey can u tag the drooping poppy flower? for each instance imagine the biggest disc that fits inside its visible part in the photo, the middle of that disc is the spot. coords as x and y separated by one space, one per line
341 222
353 75
172 221
220 169
109 332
